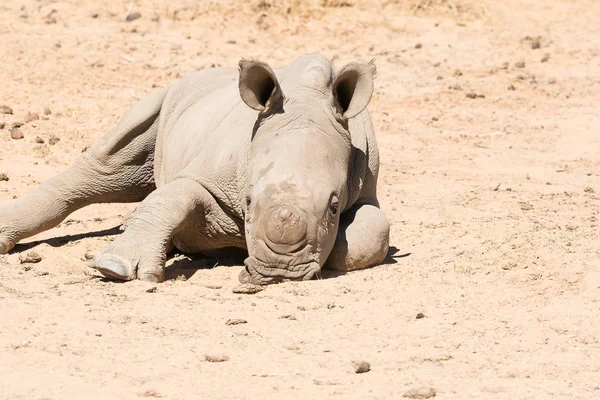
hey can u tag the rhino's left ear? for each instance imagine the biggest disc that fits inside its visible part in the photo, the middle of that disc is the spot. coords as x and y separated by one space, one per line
259 87
353 87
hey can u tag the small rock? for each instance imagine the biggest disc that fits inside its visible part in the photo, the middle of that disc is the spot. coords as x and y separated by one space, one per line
16 133
545 58
2 124
216 359
588 190
505 65
31 117
211 286
30 258
434 118
420 315
231 42
153 289
551 81
437 64
439 77
418 46
525 206
455 87
508 266
39 140
512 87
16 124
235 321
360 367
288 316
47 111
420 393
458 72
88 255
520 64
3 177
6 110
133 16
181 278
535 44
246 288
53 140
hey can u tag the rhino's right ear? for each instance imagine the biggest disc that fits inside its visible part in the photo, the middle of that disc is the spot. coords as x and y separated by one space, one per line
353 88
259 87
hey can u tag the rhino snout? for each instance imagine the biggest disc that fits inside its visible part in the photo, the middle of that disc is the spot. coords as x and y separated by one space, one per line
285 229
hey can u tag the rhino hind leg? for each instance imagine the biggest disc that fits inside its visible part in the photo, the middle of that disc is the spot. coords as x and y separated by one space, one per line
140 251
362 240
118 168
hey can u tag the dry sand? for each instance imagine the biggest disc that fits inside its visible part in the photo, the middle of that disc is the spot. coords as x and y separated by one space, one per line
494 201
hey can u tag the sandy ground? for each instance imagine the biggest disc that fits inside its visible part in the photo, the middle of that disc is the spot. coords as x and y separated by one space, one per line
494 202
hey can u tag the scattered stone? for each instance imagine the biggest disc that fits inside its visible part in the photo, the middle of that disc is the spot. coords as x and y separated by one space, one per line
231 42
153 289
288 316
535 44
53 140
458 72
437 64
420 315
133 16
475 96
30 258
418 46
3 177
512 87
2 124
589 190
27 268
360 367
39 140
31 117
16 133
505 65
439 77
420 393
508 266
16 124
215 359
455 87
520 64
235 321
88 255
95 15
211 286
545 58
521 77
6 110
551 81
525 206
181 278
246 288
434 118
47 111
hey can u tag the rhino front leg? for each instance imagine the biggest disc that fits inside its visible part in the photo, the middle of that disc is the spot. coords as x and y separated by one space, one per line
140 252
362 240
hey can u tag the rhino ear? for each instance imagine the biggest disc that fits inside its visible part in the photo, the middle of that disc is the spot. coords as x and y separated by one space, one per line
259 87
352 88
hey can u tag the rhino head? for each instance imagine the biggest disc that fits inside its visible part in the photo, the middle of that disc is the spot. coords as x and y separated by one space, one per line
299 165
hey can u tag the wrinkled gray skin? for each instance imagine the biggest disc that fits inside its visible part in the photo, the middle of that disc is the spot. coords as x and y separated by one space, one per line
282 163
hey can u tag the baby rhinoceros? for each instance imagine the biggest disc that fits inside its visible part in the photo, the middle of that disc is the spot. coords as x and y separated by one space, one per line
282 163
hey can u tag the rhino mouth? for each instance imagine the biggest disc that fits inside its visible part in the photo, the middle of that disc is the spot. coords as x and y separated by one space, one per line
264 273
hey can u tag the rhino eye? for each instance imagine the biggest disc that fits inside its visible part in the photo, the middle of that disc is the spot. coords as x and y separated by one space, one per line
333 207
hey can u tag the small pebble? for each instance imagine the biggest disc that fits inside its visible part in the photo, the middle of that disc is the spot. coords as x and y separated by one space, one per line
235 321
535 44
216 359
231 42
53 140
133 16
418 46
2 124
458 72
47 111
545 58
16 133
512 87
3 177
589 190
88 255
246 288
39 140
455 87
420 315
420 393
6 110
551 81
31 117
16 124
520 64
434 118
288 316
153 289
30 258
360 367
439 77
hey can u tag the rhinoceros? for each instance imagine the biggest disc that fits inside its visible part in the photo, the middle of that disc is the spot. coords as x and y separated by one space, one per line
282 163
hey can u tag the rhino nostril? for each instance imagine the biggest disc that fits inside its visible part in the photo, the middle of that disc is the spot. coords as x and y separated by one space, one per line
286 225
